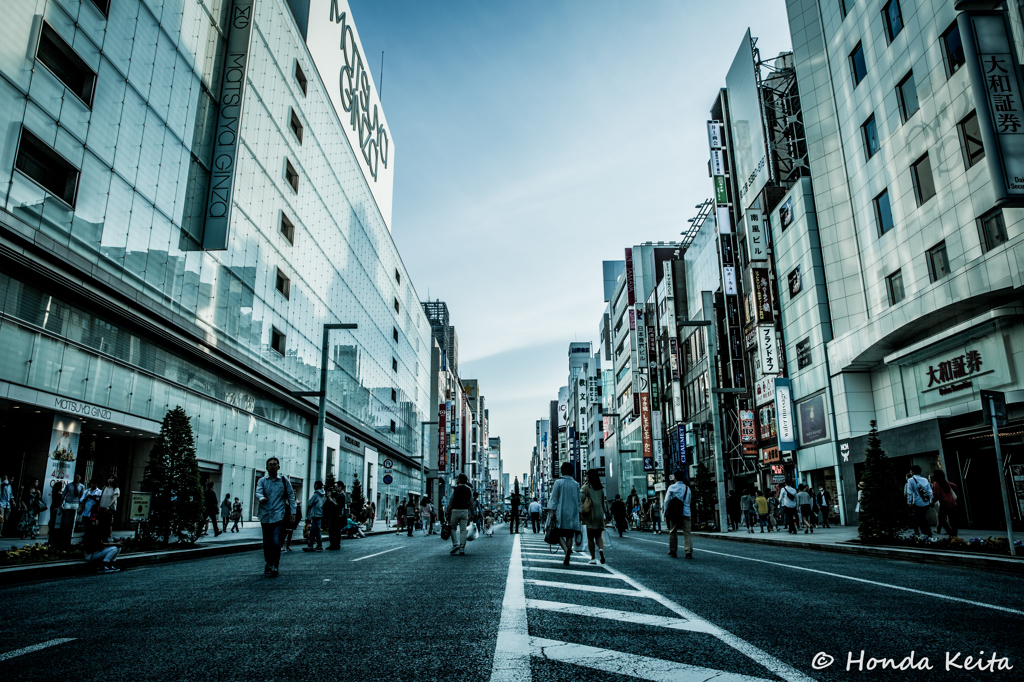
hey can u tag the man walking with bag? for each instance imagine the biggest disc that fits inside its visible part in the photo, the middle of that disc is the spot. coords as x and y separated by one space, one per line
919 499
787 495
277 505
535 510
677 514
459 510
315 512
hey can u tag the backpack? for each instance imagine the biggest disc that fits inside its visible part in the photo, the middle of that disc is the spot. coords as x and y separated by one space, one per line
925 492
790 495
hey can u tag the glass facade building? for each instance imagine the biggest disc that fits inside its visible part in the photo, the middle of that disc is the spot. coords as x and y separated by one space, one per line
111 307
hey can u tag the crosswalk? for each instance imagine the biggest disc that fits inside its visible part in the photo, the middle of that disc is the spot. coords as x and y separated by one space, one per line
583 584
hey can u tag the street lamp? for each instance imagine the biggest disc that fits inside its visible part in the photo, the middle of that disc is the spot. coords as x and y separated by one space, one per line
322 393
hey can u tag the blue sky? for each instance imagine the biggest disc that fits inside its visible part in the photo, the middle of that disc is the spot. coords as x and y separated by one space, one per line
532 141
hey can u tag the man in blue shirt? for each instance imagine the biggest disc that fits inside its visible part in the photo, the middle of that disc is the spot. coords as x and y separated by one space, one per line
677 514
919 498
277 500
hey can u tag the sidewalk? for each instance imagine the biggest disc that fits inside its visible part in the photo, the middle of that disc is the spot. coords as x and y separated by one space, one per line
844 539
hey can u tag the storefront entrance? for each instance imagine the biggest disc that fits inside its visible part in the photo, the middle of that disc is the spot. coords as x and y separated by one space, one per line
971 464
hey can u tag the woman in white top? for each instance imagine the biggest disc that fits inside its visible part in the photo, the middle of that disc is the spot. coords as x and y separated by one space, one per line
564 509
108 500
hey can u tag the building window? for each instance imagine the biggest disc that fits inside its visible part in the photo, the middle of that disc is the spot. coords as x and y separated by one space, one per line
283 284
394 364
952 49
63 62
844 6
883 213
277 340
938 264
300 78
858 65
48 168
291 175
394 333
394 396
870 129
893 19
970 140
795 282
906 92
393 425
398 276
296 125
924 185
894 283
103 6
287 228
993 229
397 306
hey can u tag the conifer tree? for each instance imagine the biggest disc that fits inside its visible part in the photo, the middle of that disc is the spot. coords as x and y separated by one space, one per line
172 476
882 505
355 499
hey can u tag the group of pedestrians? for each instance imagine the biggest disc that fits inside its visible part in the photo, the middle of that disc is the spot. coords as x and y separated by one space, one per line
932 497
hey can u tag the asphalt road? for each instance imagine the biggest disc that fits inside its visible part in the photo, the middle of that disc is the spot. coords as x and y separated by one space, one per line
397 608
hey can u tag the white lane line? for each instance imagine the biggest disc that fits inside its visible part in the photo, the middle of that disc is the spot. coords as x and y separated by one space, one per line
631 665
35 647
566 571
511 659
579 562
860 580
622 616
369 556
587 588
766 660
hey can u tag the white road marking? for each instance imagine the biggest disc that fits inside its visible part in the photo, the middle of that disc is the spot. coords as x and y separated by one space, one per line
35 647
511 660
587 588
579 562
622 616
859 580
369 556
566 571
620 663
766 660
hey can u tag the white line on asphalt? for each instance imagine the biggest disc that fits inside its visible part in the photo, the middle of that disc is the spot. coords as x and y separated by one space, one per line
766 660
511 659
369 556
620 663
566 571
622 616
859 580
580 562
588 588
35 647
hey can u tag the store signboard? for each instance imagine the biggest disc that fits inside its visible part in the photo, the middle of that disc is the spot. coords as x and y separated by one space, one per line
768 352
641 345
630 291
138 510
60 459
645 429
747 134
784 415
757 246
717 163
729 280
813 420
958 372
442 451
763 305
764 390
716 134
724 219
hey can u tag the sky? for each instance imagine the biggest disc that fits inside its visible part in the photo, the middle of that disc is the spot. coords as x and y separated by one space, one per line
534 140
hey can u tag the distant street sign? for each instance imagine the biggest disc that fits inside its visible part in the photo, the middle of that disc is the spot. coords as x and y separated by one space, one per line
996 399
388 478
388 464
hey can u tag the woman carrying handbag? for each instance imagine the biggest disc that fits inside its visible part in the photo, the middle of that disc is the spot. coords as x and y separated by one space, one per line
564 509
592 513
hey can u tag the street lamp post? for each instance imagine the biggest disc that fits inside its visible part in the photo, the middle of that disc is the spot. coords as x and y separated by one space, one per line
322 394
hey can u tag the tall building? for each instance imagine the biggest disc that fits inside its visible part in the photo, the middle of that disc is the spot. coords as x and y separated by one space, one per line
184 204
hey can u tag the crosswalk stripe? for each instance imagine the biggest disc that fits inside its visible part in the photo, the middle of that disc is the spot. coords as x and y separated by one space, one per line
621 616
566 571
619 663
512 663
575 562
587 588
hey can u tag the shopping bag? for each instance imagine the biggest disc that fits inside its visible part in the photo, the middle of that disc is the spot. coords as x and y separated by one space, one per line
471 533
607 537
578 544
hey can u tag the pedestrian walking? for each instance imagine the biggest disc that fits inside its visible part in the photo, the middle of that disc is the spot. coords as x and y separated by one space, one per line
91 500
535 510
746 505
592 506
400 518
71 501
31 504
774 511
6 503
277 505
225 512
677 515
410 514
804 502
919 497
787 496
564 509
315 513
433 518
824 501
732 510
236 515
513 526
109 497
210 505
290 526
97 547
761 507
618 509
458 512
656 516
425 515
945 492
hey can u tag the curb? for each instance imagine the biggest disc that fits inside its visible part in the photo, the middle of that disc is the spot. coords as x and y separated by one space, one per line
992 563
12 575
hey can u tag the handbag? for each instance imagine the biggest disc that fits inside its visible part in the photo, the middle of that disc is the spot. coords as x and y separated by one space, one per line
471 533
39 505
588 505
551 534
607 537
446 531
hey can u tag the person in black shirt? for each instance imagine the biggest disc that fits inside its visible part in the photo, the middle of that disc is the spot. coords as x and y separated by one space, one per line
513 523
96 547
618 511
212 505
459 511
